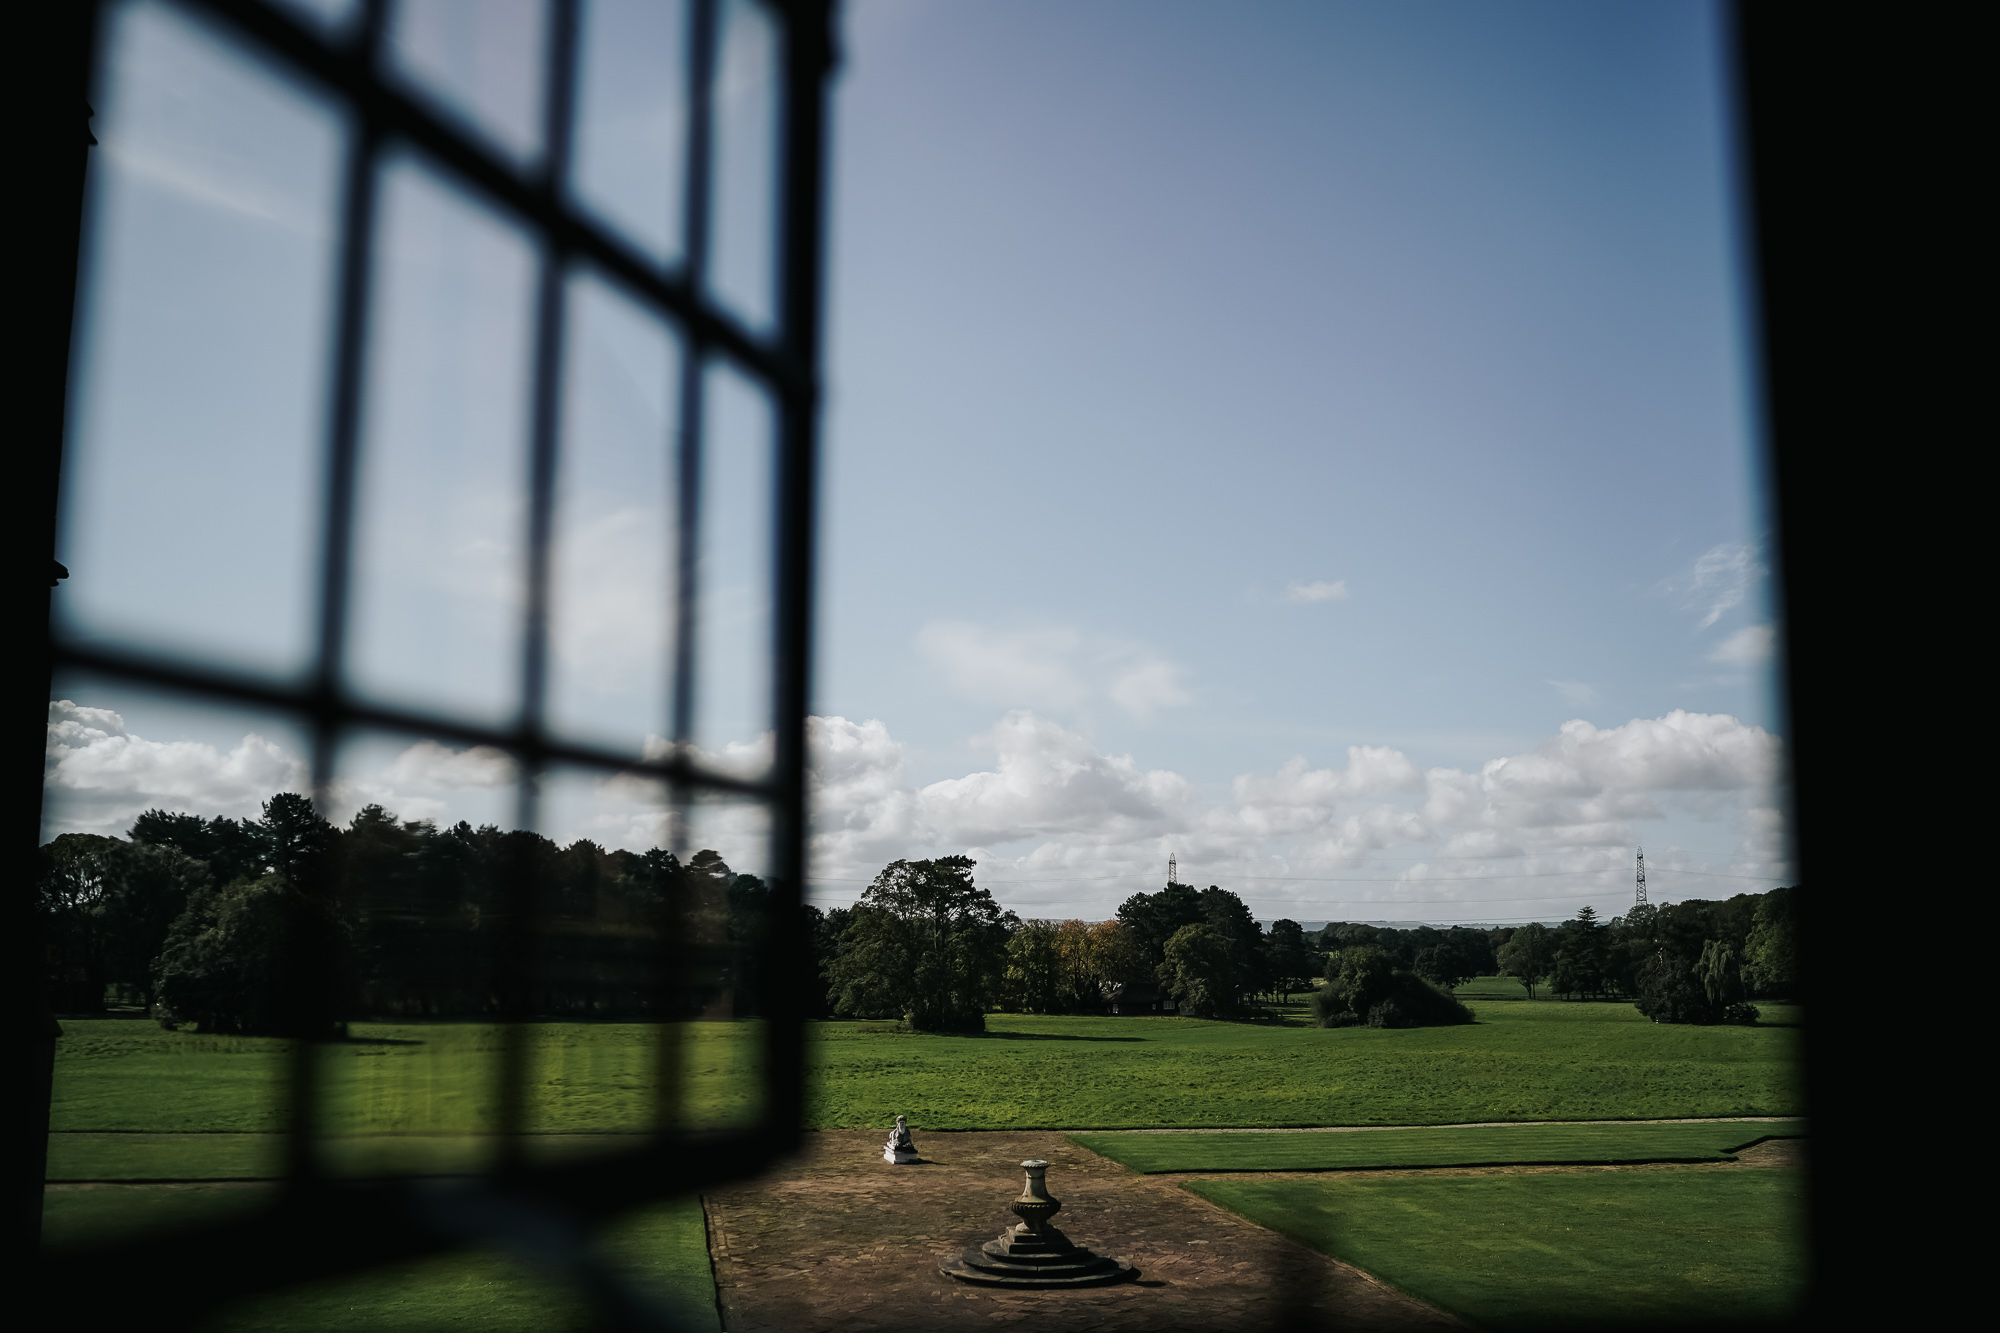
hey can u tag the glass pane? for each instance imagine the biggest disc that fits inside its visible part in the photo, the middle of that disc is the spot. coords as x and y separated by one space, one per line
440 555
611 612
163 824
631 120
722 926
602 976
742 270
733 675
422 883
479 60
190 518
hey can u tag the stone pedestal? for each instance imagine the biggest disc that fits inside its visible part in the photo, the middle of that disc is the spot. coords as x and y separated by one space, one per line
1033 1253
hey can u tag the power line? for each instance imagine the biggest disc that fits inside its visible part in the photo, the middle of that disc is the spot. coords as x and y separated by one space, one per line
1351 879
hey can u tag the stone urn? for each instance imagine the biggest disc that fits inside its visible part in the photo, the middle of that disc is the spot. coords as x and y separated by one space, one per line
1035 1207
1032 1254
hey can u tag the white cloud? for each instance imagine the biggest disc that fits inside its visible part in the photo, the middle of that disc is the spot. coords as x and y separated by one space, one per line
1575 693
1321 591
1148 687
1719 582
1051 669
101 777
1749 646
1058 825
1054 812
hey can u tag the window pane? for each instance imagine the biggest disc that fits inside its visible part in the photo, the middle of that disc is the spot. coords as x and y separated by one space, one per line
719 1056
190 515
611 613
480 60
733 673
631 125
742 271
156 851
423 886
440 558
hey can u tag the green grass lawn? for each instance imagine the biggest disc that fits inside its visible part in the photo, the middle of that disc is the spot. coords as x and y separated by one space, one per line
1550 1250
663 1249
1496 988
1385 1148
1519 1062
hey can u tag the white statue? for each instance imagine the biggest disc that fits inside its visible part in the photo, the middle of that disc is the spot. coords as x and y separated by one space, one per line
900 1149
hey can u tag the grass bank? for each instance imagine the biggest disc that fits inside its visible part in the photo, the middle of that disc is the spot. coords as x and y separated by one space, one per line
1553 1250
1385 1149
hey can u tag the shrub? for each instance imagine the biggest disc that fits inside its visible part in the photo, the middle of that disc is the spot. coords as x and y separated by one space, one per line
1669 993
1741 1013
221 966
1364 988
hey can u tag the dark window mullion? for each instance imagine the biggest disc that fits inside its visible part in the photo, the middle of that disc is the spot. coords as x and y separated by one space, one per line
545 415
675 955
327 707
802 201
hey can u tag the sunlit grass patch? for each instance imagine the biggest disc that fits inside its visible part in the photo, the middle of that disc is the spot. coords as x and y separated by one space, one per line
1540 1250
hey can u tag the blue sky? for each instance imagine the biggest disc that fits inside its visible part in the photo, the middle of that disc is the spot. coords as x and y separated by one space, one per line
1247 426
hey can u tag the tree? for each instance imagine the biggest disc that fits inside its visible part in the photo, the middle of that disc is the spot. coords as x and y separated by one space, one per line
1720 975
926 941
1529 955
72 888
1034 971
1581 955
226 956
1230 918
1670 993
1152 918
145 890
1454 960
1364 986
1199 971
1770 955
1099 961
232 848
1292 960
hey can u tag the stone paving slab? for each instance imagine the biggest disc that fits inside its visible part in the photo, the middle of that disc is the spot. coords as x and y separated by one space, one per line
839 1241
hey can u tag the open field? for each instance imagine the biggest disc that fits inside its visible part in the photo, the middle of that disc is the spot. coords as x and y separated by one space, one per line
663 1250
1556 1249
1519 1062
1386 1149
140 1105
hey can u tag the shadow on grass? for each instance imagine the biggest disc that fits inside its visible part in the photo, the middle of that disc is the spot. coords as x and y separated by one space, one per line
1033 1036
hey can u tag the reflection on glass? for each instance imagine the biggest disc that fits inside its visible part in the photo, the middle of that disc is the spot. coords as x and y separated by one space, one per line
481 60
733 675
167 845
611 612
190 520
743 267
439 557
631 119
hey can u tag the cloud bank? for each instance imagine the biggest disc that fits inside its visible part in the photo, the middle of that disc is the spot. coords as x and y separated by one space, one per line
1060 827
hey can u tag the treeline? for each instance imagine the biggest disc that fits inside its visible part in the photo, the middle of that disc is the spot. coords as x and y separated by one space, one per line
192 917
195 918
927 945
1688 962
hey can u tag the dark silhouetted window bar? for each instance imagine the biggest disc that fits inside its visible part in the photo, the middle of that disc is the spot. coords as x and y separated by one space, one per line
322 1221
